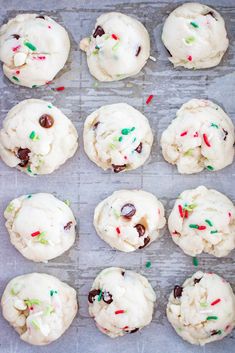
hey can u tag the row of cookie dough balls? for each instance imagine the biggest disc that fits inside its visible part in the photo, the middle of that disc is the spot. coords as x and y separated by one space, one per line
41 308
41 227
34 48
37 137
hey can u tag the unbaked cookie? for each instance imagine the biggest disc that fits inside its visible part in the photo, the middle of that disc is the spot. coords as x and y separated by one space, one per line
121 301
203 309
119 47
195 36
203 220
129 219
117 137
33 49
40 226
37 137
201 136
40 307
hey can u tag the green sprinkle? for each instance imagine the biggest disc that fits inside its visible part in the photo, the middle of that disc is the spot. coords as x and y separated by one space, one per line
49 106
219 332
35 324
29 196
14 291
67 202
112 146
212 318
193 226
148 264
214 231
95 52
100 295
127 131
116 214
49 310
189 152
134 139
194 24
34 86
115 47
106 36
32 135
43 241
15 78
30 302
209 167
97 47
204 305
120 139
30 46
190 40
209 222
214 125
52 292
190 207
29 170
10 207
195 261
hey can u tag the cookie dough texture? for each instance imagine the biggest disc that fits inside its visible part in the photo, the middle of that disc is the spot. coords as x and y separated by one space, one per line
40 226
195 35
203 220
117 136
33 49
129 219
201 136
118 48
37 137
203 309
121 301
39 307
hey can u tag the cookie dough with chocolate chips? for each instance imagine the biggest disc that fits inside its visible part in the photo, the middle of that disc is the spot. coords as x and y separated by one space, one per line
33 49
40 226
118 48
129 219
202 310
117 137
121 301
37 137
195 36
40 307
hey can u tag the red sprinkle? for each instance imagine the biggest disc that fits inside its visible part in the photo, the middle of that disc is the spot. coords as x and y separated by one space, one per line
118 230
196 134
16 48
175 232
114 36
181 211
59 88
41 57
48 82
17 72
125 157
229 214
190 58
49 27
216 302
201 227
205 138
119 312
125 327
35 234
149 99
186 213
184 133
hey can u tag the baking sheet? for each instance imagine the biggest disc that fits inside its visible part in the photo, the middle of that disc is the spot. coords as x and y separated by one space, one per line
85 184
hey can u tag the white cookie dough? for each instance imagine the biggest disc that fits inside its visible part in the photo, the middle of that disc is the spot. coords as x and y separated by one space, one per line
201 136
118 48
203 309
40 226
40 307
195 36
121 301
129 219
37 137
117 136
33 49
203 220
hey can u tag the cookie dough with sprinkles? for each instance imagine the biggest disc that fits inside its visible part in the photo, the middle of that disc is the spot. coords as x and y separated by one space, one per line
121 301
129 219
40 307
202 310
201 136
33 49
117 137
203 220
195 36
118 48
37 137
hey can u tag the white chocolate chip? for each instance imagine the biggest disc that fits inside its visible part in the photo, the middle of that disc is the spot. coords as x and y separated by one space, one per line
20 59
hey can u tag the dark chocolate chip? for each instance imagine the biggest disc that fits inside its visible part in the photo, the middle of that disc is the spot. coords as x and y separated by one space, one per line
139 148
23 155
68 225
146 241
98 32
92 294
46 121
138 51
211 13
16 36
95 125
225 134
107 297
135 330
140 229
215 332
128 210
178 291
41 16
197 280
123 273
118 168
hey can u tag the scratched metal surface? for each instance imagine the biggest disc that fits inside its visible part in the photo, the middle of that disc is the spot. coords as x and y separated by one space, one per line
85 184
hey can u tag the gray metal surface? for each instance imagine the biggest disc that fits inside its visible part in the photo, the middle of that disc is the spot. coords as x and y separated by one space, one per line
85 184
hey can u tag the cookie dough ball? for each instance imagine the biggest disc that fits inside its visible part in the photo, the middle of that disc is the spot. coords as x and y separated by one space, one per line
203 220
118 48
40 226
37 137
117 137
33 49
203 309
39 307
121 301
201 136
195 36
129 219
